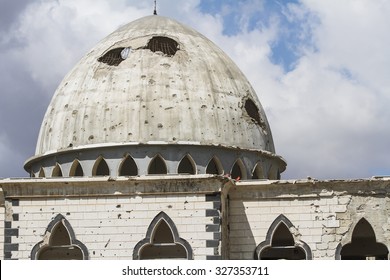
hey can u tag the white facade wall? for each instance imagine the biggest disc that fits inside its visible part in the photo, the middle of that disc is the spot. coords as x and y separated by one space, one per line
111 227
322 217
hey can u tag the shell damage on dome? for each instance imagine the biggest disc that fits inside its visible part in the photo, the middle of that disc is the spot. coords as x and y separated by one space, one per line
154 80
161 44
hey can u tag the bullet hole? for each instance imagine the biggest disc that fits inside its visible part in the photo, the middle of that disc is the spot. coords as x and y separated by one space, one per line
90 137
118 206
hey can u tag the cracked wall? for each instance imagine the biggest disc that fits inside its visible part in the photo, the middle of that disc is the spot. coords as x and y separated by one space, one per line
323 214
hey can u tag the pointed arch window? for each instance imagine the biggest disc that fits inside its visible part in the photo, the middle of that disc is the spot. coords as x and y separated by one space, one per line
157 166
258 172
128 167
57 172
238 170
100 168
187 166
41 173
76 170
162 241
363 245
281 244
59 243
214 167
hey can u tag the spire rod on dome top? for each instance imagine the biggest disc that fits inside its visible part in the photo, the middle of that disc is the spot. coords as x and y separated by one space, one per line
155 7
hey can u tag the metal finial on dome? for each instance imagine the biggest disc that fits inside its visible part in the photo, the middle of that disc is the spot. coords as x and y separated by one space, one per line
155 7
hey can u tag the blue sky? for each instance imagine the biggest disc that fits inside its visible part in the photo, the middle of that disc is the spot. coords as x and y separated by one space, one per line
320 69
246 16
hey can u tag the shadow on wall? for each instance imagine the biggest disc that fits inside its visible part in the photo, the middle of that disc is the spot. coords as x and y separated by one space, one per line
241 241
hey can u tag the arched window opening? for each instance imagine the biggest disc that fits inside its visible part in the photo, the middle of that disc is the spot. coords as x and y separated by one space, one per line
41 173
76 170
238 170
57 172
280 243
186 166
157 166
274 173
363 244
258 172
59 243
100 168
162 241
214 167
128 167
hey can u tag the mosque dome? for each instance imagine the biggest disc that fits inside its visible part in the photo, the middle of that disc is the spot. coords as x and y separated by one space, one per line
153 83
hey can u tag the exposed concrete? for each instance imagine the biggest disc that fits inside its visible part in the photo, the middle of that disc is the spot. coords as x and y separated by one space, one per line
197 94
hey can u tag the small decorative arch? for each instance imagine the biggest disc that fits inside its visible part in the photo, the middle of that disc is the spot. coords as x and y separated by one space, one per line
128 167
214 166
274 173
162 241
59 243
187 165
281 244
76 170
57 172
238 170
157 166
100 168
363 245
41 173
258 172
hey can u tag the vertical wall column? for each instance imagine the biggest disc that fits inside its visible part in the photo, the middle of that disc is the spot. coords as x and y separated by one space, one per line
215 226
10 232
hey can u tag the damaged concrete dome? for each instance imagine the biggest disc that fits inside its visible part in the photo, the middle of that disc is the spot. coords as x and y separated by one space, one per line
154 83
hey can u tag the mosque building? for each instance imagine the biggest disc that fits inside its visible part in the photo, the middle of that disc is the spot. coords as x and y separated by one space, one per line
156 146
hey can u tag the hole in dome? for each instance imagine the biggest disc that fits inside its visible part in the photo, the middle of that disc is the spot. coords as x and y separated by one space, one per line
253 112
162 44
115 57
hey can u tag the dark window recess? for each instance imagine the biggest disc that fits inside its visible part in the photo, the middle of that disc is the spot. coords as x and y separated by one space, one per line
213 167
157 166
363 245
114 57
186 166
165 45
236 171
57 172
128 167
283 246
76 170
253 112
102 168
